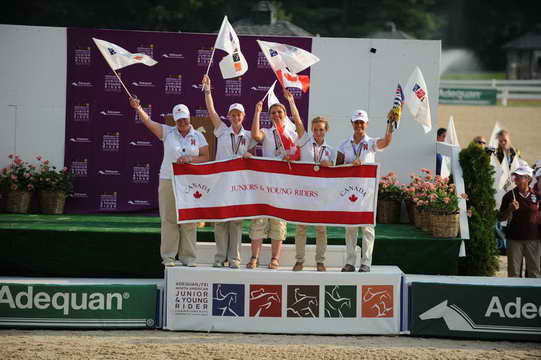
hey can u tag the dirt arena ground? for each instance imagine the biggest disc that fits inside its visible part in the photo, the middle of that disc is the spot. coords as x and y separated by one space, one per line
524 124
58 345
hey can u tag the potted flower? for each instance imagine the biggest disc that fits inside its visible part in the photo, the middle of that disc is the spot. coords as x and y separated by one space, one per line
54 186
422 196
17 181
444 209
390 195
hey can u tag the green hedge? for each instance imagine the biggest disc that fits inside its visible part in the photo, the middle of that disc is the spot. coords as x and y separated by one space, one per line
481 252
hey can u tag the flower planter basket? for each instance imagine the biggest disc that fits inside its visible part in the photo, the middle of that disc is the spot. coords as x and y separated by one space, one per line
52 202
417 217
444 225
18 201
410 208
388 212
426 221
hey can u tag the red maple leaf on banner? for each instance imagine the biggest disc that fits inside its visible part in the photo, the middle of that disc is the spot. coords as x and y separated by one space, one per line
197 195
138 57
353 198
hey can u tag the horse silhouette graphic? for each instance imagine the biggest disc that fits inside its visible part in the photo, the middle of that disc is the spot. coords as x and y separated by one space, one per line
303 304
269 299
457 320
335 303
225 301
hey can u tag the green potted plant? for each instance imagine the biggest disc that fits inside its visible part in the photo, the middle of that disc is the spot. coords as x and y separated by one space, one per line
54 186
390 195
17 181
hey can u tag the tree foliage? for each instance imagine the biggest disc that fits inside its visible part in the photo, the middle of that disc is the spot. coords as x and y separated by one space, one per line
481 253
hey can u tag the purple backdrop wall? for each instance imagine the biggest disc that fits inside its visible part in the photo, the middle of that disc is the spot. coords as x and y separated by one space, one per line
114 158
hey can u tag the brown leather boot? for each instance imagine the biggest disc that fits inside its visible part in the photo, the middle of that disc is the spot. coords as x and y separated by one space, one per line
298 266
321 267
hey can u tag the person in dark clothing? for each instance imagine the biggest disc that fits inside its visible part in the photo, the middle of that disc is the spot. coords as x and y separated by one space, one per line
442 132
521 207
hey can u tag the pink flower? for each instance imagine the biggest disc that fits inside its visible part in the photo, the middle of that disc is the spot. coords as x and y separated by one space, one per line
18 161
32 166
433 197
392 173
13 177
446 200
30 187
11 156
65 169
46 162
27 175
38 158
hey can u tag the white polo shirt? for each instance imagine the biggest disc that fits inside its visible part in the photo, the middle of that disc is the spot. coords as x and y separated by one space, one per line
231 144
312 152
175 145
272 146
365 149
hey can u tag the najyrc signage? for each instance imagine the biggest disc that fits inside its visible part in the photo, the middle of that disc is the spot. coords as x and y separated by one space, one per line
468 96
475 311
77 306
207 299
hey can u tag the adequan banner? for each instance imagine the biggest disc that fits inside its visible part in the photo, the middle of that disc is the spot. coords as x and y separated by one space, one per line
258 187
209 299
77 306
476 311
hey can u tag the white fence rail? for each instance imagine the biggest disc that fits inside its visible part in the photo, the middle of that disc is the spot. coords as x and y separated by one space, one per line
507 89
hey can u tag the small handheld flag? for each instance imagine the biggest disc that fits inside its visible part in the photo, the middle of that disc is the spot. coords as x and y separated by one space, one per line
416 98
118 58
234 64
393 118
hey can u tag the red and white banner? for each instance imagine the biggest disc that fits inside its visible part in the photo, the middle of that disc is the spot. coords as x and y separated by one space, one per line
259 187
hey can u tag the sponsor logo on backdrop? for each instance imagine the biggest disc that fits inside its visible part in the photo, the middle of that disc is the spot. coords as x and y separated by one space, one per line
147 109
80 140
377 301
139 143
146 49
297 93
173 85
340 301
107 172
111 113
141 174
143 83
260 88
201 113
79 195
197 86
111 84
457 319
203 57
111 142
173 56
303 301
228 300
82 84
191 298
82 56
262 62
265 300
233 87
139 202
108 201
79 168
265 120
66 302
81 113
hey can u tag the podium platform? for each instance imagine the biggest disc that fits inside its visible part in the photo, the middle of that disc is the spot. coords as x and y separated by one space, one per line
115 246
283 301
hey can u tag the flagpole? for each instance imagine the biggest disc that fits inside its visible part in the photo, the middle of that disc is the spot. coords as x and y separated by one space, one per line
268 92
124 86
210 61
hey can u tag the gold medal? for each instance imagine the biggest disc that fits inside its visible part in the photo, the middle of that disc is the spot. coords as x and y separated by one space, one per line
316 168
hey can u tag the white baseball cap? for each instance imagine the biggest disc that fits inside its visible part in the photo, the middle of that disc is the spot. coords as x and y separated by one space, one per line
236 106
359 115
181 111
524 170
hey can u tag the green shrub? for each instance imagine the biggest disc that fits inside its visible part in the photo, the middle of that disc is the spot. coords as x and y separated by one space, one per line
481 252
